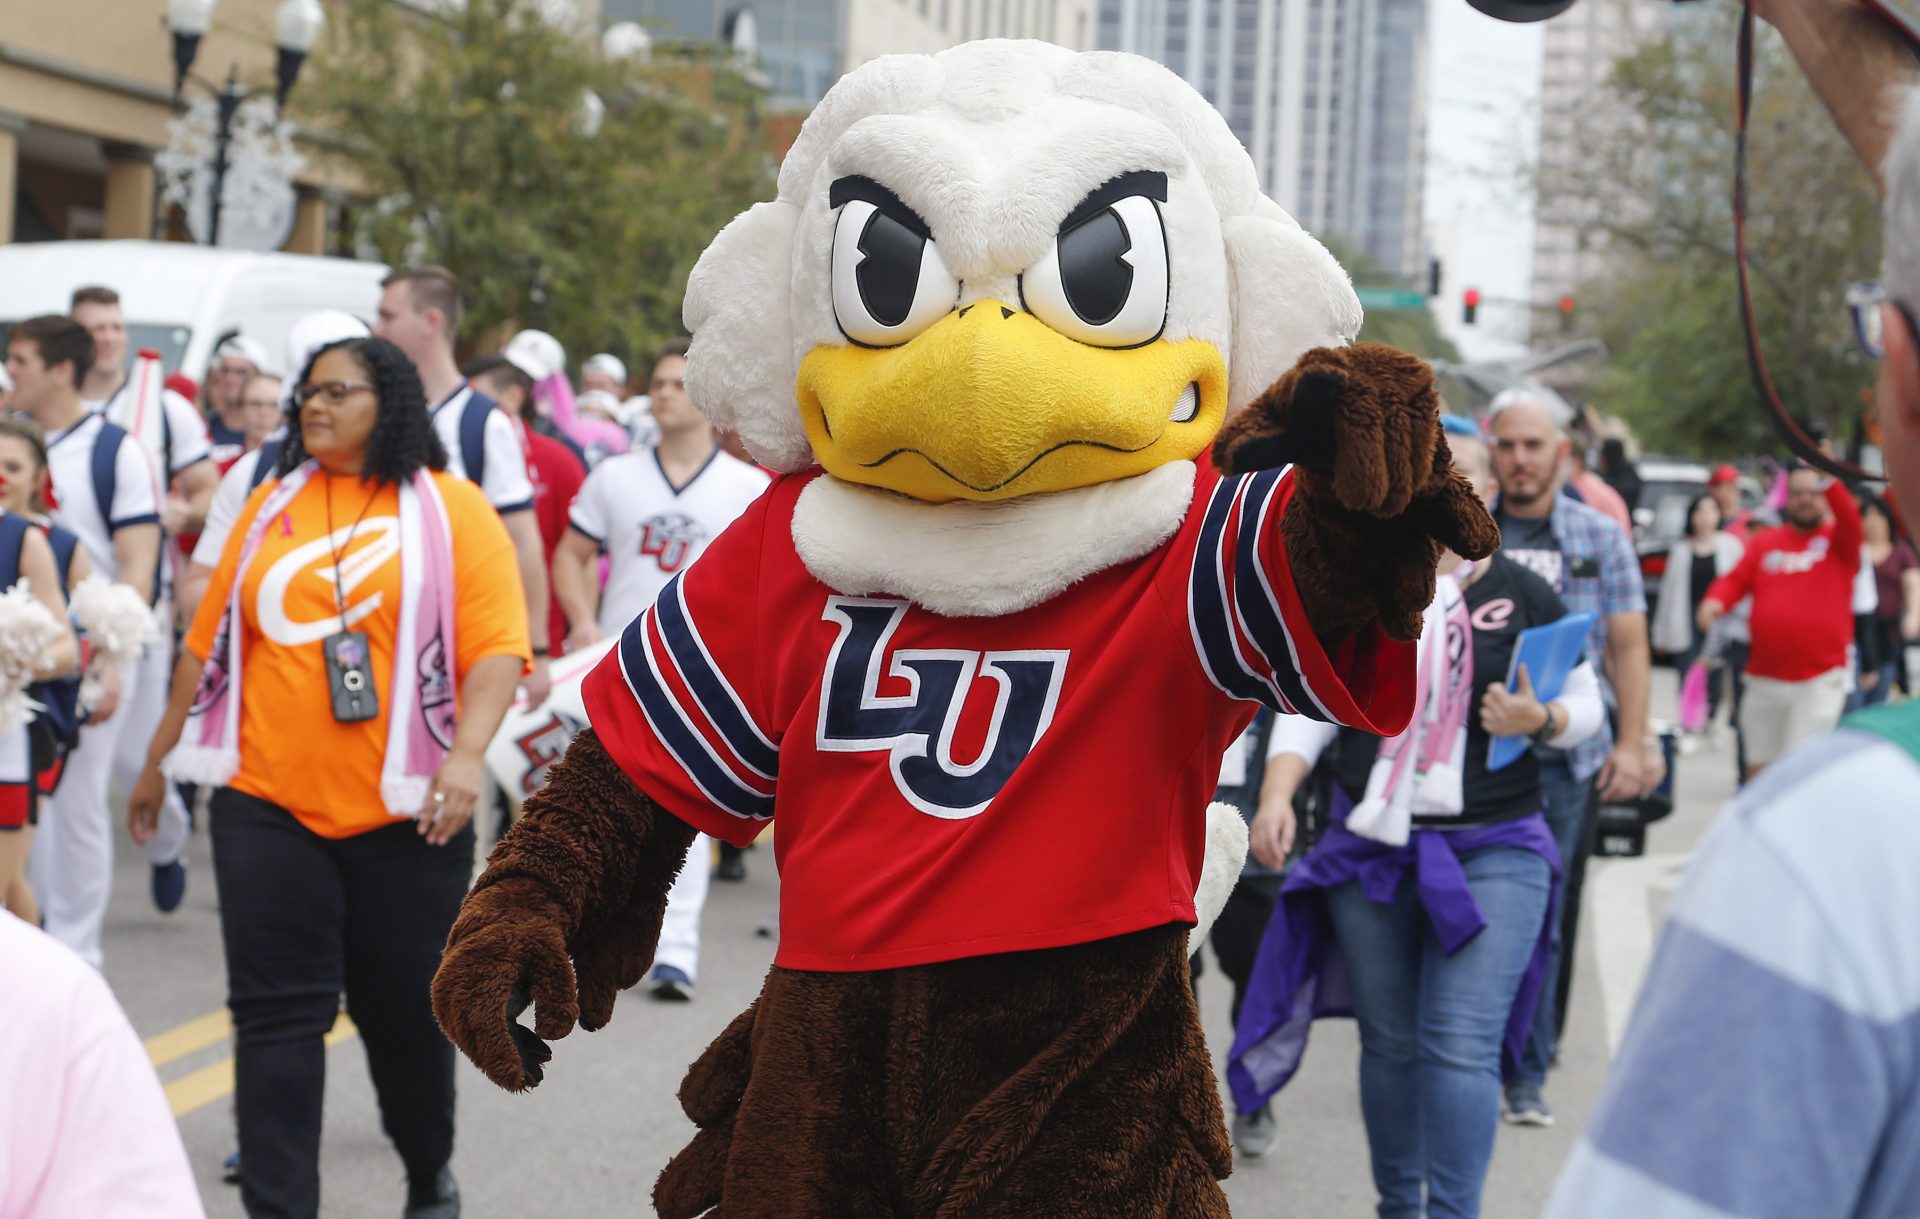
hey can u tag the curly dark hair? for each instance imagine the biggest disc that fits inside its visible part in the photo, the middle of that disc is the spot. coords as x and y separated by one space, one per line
403 438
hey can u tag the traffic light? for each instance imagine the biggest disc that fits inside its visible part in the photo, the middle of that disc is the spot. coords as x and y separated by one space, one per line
1433 277
1469 305
1566 314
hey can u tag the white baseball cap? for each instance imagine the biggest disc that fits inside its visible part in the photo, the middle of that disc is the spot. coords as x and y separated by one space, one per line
608 363
310 334
536 353
240 347
604 403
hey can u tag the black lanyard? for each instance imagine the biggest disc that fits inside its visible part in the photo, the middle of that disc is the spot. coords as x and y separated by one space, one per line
339 586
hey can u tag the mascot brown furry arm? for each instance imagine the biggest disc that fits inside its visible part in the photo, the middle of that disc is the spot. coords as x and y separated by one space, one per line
1025 574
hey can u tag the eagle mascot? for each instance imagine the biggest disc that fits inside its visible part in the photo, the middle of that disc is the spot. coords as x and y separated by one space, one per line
1077 467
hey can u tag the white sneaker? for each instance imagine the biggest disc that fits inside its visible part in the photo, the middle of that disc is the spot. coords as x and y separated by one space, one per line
1254 1133
1524 1107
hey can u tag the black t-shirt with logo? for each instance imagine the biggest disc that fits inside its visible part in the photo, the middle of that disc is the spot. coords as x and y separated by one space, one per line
1530 543
1506 600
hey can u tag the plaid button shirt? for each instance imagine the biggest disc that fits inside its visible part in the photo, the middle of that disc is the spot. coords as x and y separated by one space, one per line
1599 573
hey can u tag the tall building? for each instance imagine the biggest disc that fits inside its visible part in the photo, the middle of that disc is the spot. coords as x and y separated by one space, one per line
805 45
1578 55
1329 97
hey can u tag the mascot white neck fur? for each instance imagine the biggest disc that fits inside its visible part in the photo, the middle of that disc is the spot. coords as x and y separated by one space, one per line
991 147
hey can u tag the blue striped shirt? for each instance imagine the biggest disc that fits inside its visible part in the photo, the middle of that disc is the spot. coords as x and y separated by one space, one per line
1599 574
1772 1066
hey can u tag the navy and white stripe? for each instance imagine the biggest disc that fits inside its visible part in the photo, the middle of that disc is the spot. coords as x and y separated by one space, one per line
1258 605
737 775
1209 616
721 702
1234 614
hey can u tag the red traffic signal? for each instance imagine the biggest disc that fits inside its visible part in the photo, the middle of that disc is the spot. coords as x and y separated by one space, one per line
1469 305
1566 313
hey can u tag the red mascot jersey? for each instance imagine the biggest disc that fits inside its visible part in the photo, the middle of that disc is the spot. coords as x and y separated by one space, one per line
953 787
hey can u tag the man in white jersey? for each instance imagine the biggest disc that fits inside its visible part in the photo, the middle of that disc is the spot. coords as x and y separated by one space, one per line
190 474
420 314
652 511
184 475
119 524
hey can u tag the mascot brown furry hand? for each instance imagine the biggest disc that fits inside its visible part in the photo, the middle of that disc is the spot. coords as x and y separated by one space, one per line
1031 350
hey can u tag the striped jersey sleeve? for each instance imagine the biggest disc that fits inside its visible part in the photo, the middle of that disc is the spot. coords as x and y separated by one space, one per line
1250 630
1772 1065
674 704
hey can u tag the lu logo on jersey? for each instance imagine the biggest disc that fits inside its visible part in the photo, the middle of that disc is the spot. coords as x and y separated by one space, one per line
543 745
669 540
916 729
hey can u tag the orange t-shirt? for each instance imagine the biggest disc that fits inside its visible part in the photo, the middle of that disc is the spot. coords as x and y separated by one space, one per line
292 751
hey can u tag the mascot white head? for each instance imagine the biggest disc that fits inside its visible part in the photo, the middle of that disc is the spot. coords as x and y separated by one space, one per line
1007 269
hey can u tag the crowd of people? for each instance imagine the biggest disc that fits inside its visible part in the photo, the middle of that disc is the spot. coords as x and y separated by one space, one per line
333 727
340 780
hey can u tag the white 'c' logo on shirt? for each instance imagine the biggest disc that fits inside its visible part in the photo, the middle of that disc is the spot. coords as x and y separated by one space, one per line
382 534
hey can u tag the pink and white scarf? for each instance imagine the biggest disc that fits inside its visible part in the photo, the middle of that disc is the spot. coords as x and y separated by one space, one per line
1421 770
420 706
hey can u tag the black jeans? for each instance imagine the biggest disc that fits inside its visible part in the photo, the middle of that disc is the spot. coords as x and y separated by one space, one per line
304 918
1237 932
1736 665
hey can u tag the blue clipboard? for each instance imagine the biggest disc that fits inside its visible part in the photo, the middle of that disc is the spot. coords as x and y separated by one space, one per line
1550 652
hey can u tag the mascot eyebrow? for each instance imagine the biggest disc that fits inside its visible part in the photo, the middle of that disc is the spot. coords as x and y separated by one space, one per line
1148 182
847 189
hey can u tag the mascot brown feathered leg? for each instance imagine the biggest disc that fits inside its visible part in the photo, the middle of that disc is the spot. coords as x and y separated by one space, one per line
1070 1082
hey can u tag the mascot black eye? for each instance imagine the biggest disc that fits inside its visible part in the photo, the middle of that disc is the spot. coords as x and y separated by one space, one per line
889 281
1104 281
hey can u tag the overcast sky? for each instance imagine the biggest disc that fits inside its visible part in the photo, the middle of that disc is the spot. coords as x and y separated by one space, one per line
1483 87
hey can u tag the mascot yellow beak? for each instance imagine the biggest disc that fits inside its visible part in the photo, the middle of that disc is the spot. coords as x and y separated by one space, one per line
990 403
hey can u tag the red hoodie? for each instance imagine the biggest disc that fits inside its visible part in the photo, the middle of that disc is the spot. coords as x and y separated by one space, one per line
1802 589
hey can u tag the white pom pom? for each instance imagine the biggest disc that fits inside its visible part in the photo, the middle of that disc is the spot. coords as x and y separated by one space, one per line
118 623
28 630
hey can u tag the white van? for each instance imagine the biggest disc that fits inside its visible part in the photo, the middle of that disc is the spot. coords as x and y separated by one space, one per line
185 300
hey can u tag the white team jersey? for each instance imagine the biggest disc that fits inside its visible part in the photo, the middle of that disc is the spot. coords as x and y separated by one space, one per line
504 478
228 499
76 505
187 440
652 530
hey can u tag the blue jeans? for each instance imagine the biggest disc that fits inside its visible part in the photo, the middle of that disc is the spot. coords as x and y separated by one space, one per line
1430 1029
1889 673
1569 815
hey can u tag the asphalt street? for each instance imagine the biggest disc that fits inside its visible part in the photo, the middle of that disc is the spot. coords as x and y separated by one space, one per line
589 1141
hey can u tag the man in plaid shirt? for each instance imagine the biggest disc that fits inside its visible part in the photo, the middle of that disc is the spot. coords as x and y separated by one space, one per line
1590 562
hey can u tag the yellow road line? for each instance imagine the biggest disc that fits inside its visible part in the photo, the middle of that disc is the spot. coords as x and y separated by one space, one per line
189 1037
210 1083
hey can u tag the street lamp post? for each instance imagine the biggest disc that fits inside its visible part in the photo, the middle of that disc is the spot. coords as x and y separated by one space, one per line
297 27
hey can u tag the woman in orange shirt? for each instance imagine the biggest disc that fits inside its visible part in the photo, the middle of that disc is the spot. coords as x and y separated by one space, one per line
355 650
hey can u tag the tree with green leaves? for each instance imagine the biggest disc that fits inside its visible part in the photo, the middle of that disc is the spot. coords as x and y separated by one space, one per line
1653 183
565 190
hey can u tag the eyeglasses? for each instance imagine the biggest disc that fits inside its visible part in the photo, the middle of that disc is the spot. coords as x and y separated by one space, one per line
332 392
232 370
1865 302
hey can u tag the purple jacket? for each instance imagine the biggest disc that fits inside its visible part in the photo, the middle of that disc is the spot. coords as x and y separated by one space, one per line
1298 975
